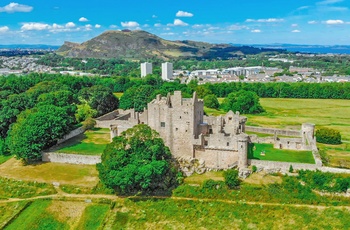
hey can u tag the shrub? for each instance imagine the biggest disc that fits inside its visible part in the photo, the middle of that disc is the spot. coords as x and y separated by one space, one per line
291 168
231 178
254 168
89 123
328 136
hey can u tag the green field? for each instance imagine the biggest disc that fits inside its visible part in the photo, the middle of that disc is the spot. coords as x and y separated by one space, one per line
272 154
36 216
92 142
174 214
10 210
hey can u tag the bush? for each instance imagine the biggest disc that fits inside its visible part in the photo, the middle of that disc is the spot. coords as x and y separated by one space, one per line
291 168
89 123
254 168
231 178
328 136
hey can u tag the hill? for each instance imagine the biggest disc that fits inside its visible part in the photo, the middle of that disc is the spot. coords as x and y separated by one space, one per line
141 44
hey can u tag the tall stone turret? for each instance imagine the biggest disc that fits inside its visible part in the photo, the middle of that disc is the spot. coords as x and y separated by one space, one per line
242 141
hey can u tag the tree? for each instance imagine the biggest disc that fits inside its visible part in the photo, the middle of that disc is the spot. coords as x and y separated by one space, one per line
231 178
99 98
137 97
328 136
211 101
38 129
137 161
246 102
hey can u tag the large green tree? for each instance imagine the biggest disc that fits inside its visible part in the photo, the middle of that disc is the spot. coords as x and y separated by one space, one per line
211 101
38 129
246 102
137 161
99 98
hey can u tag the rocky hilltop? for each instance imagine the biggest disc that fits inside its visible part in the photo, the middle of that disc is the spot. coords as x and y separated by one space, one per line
141 44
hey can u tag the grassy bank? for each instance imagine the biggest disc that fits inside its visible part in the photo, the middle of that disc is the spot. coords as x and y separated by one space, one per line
92 142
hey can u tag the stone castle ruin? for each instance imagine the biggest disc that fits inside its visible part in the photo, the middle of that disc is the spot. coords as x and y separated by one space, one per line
200 142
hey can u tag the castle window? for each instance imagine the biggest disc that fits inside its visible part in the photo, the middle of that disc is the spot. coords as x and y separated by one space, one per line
205 143
210 131
230 118
180 117
228 144
288 142
176 129
162 124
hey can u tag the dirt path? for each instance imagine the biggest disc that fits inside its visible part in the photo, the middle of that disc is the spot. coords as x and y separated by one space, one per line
62 195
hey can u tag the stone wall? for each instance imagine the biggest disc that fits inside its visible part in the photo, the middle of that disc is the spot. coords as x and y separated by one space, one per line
217 158
283 132
108 116
70 158
72 134
284 166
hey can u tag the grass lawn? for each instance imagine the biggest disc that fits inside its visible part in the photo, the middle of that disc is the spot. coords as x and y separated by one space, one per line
80 175
92 142
272 154
3 158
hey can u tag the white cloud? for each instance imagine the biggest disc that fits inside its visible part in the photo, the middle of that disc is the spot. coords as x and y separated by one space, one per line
265 20
294 25
154 16
256 31
83 19
130 24
329 2
157 25
56 26
181 13
15 7
237 27
97 26
4 29
113 26
88 27
312 22
70 25
334 22
167 34
296 31
178 22
35 26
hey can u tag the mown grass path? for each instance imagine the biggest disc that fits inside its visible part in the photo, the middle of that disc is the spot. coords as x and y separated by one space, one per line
62 196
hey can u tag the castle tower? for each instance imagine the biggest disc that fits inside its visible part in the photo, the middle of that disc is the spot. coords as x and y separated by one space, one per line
242 151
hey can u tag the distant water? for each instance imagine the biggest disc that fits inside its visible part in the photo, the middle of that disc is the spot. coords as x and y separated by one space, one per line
320 50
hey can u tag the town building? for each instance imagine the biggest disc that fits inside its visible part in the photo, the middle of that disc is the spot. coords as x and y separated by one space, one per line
167 71
146 68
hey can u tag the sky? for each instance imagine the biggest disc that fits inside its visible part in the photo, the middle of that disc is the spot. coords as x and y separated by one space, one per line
314 22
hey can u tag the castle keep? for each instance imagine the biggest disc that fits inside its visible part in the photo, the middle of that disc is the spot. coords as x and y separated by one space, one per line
217 142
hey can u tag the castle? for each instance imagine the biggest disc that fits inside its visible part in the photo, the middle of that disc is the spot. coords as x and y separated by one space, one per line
218 142
201 142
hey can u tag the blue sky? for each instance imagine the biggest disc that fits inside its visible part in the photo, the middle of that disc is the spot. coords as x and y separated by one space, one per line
325 22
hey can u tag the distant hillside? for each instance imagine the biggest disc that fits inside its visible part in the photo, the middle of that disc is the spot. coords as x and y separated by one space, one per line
141 45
